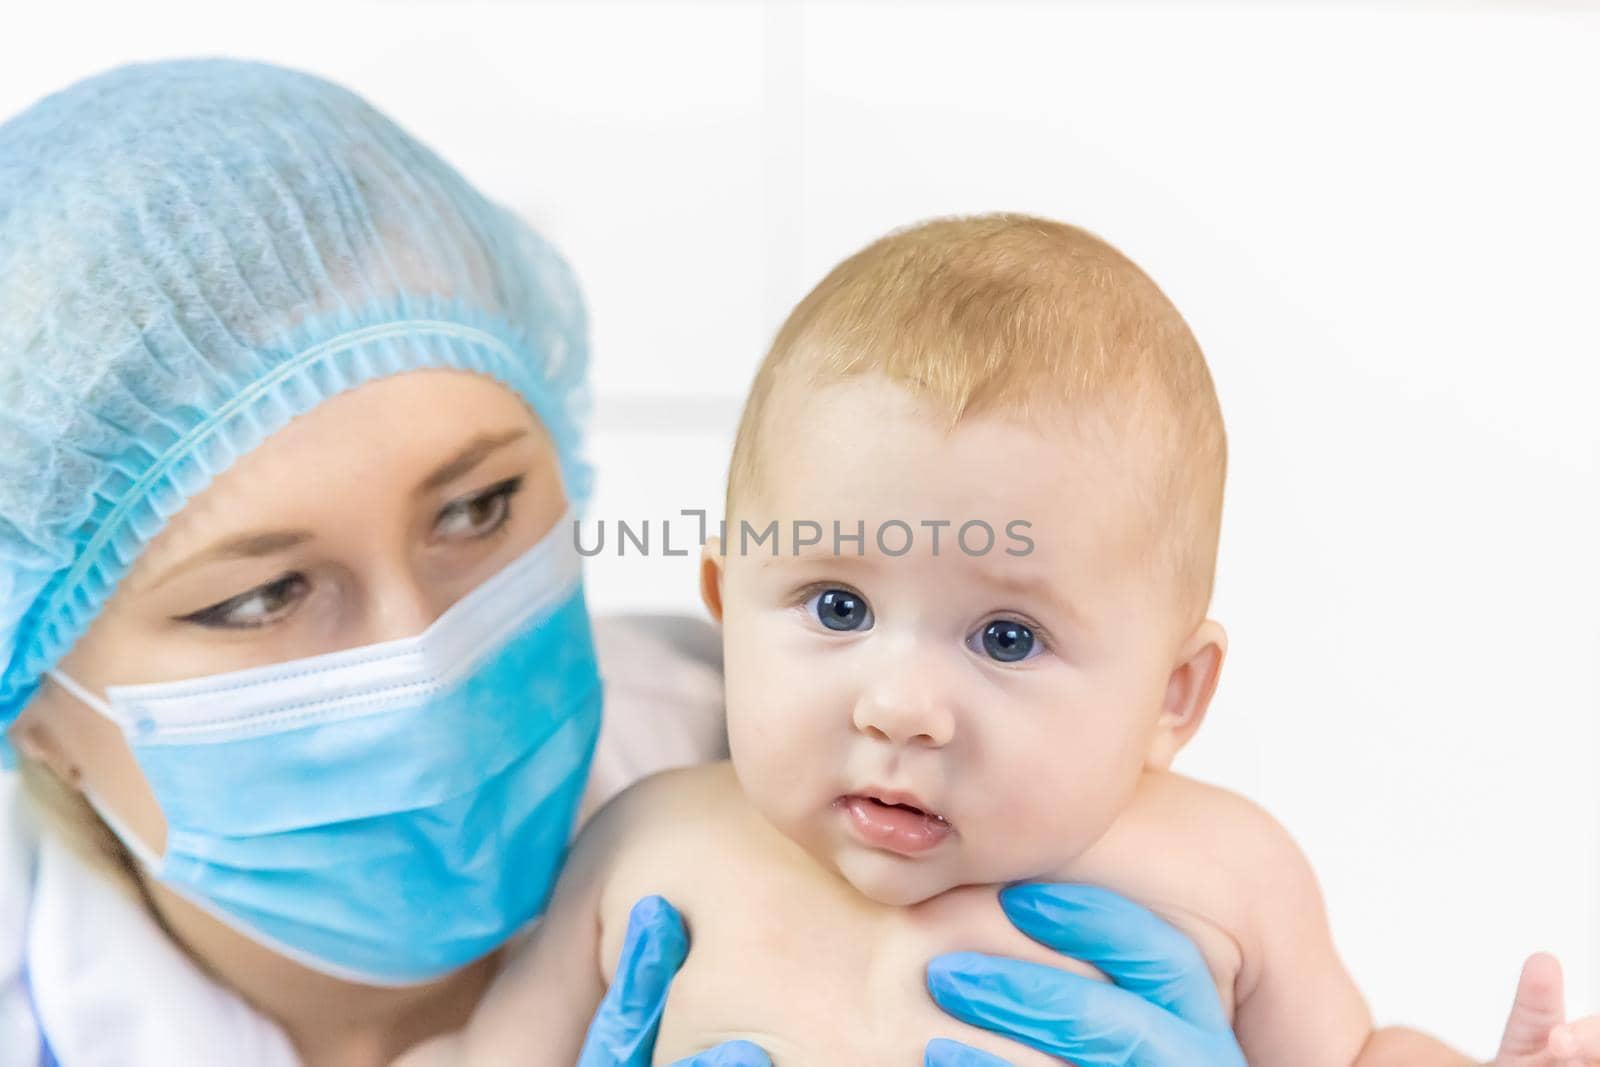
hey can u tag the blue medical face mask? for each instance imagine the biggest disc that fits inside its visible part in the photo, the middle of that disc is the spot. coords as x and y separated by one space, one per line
383 814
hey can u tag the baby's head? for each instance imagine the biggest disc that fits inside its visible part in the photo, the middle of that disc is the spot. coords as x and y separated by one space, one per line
1022 431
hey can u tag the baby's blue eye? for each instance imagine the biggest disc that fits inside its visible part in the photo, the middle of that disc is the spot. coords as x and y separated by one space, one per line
840 609
1007 641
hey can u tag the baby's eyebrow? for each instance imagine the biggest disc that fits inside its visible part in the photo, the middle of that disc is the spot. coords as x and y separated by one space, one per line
1035 587
813 554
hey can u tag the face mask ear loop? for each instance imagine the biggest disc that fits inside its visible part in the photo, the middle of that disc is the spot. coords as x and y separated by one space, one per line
84 695
142 852
130 840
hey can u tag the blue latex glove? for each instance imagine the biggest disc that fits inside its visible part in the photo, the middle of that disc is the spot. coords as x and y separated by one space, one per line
623 1033
1162 1011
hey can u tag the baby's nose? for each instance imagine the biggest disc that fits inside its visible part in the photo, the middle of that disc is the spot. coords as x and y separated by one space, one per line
911 713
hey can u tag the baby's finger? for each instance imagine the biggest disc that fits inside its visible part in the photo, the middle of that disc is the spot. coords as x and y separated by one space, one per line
1537 1008
1577 1041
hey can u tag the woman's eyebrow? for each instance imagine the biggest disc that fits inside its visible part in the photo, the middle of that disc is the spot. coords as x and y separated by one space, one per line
245 546
467 458
252 545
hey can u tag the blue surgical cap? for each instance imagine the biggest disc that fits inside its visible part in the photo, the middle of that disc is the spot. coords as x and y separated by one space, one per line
192 253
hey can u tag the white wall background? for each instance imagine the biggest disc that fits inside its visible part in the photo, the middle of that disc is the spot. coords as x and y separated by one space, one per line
1381 220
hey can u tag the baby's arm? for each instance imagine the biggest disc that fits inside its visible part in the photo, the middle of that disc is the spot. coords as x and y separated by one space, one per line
1298 1006
1536 1034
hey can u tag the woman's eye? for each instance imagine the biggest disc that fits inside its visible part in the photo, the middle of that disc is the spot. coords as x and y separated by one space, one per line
267 605
840 609
480 516
1005 640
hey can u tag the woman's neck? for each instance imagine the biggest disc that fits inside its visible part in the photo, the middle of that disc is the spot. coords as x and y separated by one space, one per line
331 1023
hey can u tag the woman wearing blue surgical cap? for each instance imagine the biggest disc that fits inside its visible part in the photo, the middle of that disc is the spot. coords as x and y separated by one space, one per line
293 643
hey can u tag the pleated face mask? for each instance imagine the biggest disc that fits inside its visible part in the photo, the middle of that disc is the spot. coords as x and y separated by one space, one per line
389 813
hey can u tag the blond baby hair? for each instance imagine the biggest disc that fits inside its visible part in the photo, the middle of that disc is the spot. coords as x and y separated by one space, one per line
1022 317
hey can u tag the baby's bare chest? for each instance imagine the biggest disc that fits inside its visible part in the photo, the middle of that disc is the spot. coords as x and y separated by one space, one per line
803 966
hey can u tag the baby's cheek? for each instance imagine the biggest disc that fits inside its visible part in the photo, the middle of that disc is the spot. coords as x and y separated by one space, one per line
1046 812
1039 840
780 760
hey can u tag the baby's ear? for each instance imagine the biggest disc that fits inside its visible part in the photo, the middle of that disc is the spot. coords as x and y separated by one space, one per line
1189 688
711 576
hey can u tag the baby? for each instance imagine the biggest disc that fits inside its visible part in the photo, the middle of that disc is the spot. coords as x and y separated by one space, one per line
972 521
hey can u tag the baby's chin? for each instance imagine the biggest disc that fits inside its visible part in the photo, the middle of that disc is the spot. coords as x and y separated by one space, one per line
883 876
896 881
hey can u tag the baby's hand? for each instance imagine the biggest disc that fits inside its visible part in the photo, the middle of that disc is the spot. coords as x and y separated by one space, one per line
1537 1033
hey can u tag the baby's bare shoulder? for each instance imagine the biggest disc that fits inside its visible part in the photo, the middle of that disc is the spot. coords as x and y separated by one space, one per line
672 791
1249 870
1191 848
687 835
681 812
685 798
660 834
1210 817
1252 845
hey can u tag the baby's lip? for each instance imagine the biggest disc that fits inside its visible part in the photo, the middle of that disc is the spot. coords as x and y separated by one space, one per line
899 798
893 820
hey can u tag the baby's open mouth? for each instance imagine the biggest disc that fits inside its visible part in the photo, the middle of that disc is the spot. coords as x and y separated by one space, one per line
905 807
894 821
